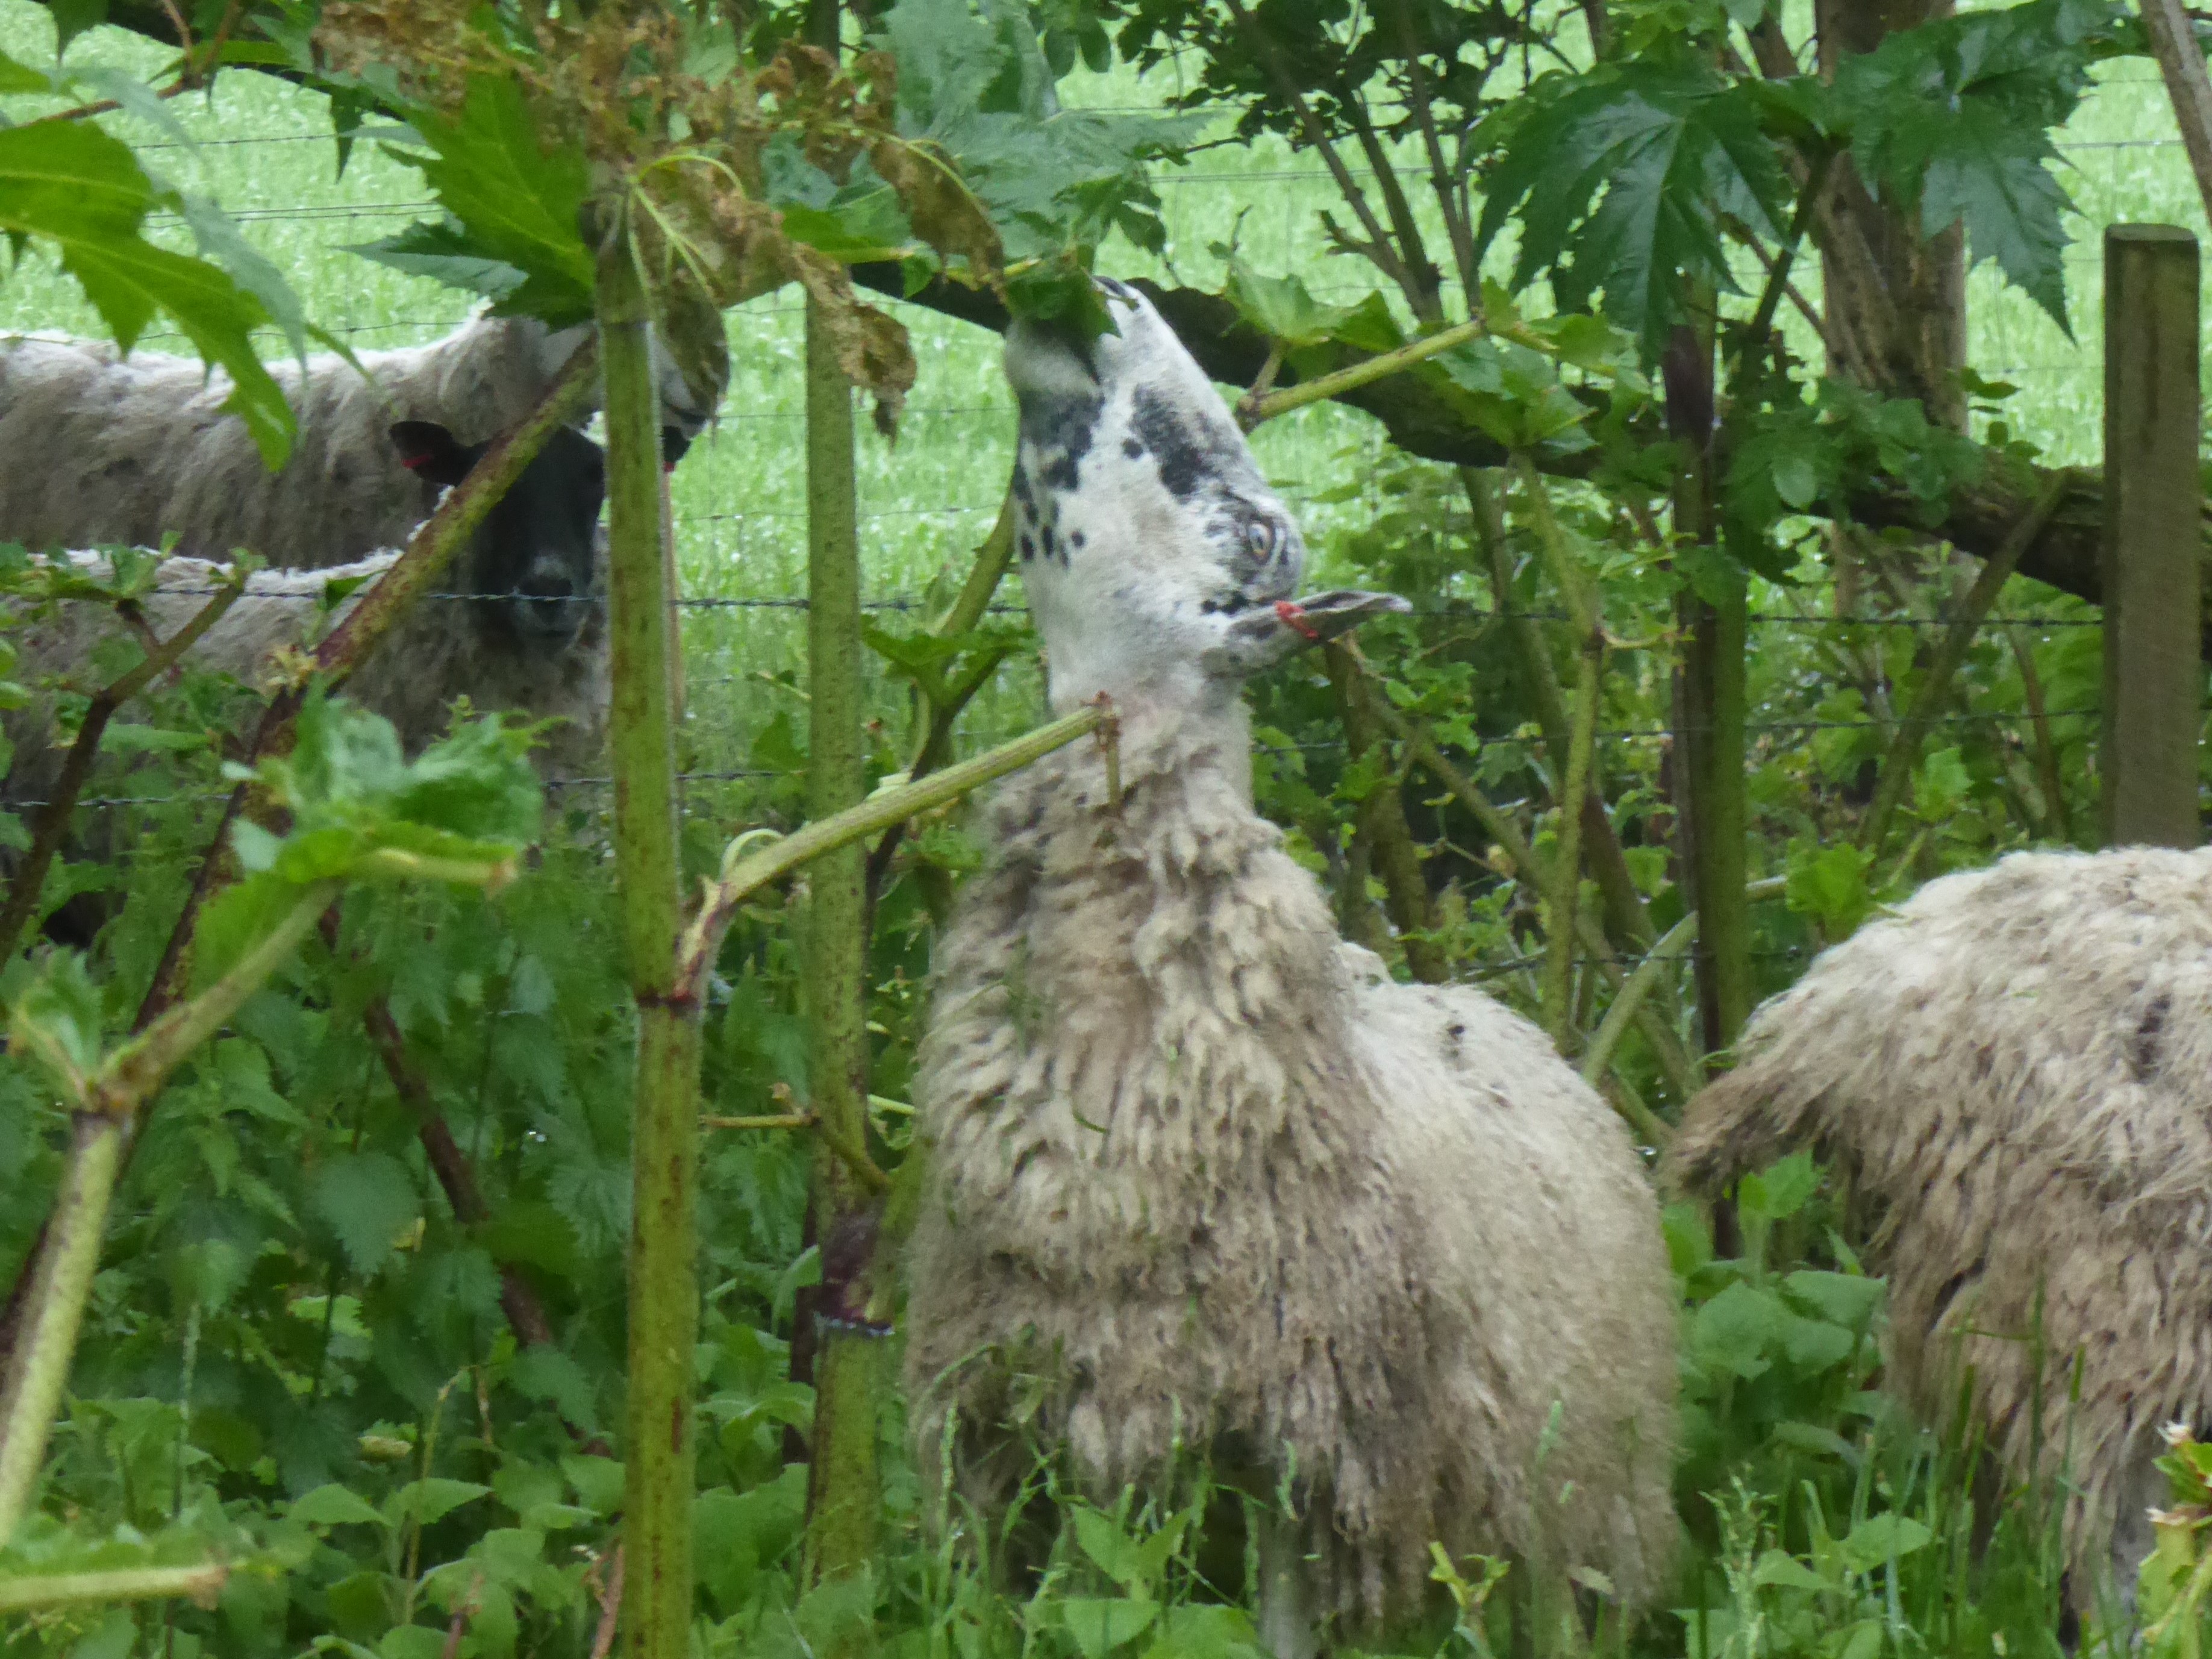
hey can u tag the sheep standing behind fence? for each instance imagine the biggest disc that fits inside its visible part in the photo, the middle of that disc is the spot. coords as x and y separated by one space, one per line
105 450
1197 1166
529 635
2013 1073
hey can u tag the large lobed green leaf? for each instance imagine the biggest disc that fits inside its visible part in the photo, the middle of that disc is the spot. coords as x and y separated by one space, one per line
1620 179
511 230
976 88
73 187
1957 116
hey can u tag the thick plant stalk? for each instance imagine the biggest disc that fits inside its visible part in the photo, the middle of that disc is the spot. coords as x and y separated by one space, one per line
1252 410
106 1102
1713 739
659 1449
54 816
842 1498
1381 818
2181 62
1903 753
745 872
1567 868
1711 692
202 1584
66 1266
938 716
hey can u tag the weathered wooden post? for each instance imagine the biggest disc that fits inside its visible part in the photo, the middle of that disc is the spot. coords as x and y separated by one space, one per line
2154 678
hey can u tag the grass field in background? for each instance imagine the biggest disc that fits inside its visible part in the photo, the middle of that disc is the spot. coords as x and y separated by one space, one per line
263 149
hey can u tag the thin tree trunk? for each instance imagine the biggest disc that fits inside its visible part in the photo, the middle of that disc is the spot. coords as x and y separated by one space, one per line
659 1448
1895 300
1713 808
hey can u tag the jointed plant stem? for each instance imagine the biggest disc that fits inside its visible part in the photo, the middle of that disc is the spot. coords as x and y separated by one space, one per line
202 1584
659 1453
105 1104
744 873
843 1497
1251 411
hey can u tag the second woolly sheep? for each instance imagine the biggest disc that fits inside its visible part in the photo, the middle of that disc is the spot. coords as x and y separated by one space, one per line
2013 1073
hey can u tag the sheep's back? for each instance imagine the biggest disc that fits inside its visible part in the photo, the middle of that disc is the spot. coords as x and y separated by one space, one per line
1173 1176
114 451
1551 1284
2014 1071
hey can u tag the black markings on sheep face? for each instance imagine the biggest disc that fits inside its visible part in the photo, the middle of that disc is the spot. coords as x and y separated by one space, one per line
535 559
1185 456
539 548
1058 428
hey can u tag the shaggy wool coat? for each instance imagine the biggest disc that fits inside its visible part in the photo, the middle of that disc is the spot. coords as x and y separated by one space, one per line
108 451
1200 1167
440 650
2013 1073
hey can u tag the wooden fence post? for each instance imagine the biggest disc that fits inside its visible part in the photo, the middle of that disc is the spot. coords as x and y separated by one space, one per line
2153 679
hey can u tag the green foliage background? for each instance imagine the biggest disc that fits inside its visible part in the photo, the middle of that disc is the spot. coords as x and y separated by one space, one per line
297 1355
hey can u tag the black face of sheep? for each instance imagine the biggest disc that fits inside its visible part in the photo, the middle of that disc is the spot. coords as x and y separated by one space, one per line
536 551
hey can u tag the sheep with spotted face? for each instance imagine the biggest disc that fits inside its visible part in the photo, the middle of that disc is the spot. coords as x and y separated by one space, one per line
2013 1073
531 638
105 450
1194 1160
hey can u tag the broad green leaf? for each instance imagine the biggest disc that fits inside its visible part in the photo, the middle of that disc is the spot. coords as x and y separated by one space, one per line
1830 884
334 1505
57 1019
1101 1625
431 1500
1880 1538
1281 308
1733 1332
1847 1299
517 201
1118 1556
1956 117
442 250
412 1642
1619 178
1779 1568
69 185
368 1199
1197 1630
1780 1190
597 1481
15 78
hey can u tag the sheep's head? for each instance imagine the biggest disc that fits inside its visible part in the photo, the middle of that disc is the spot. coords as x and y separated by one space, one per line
1158 562
535 558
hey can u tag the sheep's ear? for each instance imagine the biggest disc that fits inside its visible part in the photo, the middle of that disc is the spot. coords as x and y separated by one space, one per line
430 452
673 443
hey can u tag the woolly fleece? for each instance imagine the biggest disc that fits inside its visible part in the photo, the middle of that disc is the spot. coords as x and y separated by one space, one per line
1197 1166
106 451
2013 1073
439 651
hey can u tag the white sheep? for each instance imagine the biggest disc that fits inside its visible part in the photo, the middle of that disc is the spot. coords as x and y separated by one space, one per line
1195 1161
2012 1073
105 450
531 641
